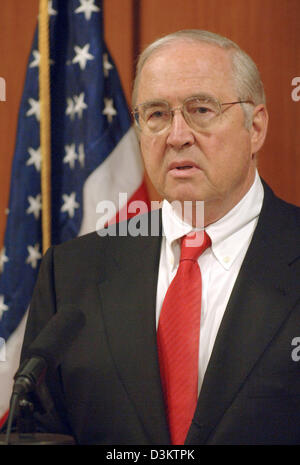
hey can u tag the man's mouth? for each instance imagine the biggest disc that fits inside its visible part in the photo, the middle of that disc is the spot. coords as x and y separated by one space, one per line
186 167
183 168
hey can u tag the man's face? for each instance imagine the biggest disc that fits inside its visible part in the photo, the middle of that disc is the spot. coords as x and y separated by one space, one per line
216 164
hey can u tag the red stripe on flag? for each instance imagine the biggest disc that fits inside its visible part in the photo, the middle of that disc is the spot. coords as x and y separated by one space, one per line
141 194
3 419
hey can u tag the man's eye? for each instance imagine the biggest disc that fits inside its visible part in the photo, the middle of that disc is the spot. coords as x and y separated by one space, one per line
203 110
156 115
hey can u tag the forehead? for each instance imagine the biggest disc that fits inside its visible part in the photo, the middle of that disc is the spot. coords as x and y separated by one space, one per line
181 69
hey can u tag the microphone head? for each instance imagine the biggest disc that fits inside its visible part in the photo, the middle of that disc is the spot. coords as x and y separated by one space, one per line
57 336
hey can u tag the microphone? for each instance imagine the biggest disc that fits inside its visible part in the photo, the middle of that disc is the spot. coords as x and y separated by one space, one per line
48 349
45 354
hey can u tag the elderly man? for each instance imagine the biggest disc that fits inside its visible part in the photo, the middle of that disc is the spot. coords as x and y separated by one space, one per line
185 344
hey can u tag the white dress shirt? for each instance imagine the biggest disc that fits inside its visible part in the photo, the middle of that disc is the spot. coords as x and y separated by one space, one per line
219 264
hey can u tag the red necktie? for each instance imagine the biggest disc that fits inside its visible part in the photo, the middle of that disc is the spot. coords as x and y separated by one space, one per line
178 339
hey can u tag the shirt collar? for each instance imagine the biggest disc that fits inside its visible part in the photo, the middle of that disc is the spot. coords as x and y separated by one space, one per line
228 235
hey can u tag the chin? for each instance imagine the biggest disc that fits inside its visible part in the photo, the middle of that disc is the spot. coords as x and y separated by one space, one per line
184 194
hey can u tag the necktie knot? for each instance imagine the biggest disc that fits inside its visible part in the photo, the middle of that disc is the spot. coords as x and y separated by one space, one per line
194 244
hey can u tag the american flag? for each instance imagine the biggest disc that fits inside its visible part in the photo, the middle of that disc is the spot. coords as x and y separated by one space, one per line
94 156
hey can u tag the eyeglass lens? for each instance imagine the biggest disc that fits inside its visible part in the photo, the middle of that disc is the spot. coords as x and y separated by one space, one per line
197 112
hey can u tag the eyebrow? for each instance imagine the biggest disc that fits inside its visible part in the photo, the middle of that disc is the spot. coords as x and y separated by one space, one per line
152 103
203 96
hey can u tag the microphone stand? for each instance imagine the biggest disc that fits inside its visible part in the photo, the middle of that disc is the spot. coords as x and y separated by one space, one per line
22 409
42 355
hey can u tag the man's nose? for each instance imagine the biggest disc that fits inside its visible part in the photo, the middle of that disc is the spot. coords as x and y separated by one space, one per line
180 133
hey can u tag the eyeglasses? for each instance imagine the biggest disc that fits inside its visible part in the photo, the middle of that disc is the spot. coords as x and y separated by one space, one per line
199 113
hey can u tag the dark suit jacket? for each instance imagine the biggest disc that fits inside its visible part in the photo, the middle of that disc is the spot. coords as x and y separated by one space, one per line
108 391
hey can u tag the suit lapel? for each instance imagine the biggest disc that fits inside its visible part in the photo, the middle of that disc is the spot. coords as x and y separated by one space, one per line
260 302
128 295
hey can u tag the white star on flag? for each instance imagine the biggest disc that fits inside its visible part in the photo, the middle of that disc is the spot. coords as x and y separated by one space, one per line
35 206
109 109
81 155
106 65
3 307
82 55
33 255
70 110
80 105
36 59
35 108
51 11
35 158
87 7
69 204
3 259
71 155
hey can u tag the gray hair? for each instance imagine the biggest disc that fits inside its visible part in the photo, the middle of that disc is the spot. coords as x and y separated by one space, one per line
246 76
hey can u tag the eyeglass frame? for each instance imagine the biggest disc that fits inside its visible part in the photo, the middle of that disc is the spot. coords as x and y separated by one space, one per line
181 108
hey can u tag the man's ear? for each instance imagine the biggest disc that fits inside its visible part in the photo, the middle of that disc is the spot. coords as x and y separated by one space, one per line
259 126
